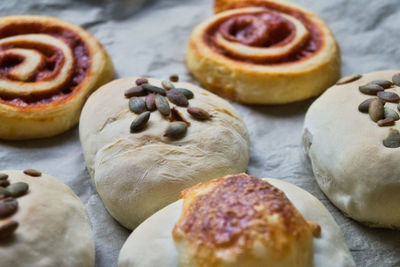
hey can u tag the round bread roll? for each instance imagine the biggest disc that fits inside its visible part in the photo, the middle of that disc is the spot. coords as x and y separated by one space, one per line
355 159
263 52
239 220
42 222
48 67
137 173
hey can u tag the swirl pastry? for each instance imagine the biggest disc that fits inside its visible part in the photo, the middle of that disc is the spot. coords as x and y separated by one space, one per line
354 149
48 67
239 220
263 52
42 222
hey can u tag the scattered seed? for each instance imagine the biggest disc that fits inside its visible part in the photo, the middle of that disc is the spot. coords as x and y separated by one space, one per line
7 207
137 105
370 89
7 228
140 122
33 172
141 81
4 193
177 116
391 113
383 83
3 176
393 139
376 110
176 130
363 107
162 105
135 91
151 102
386 122
177 98
174 78
167 85
4 183
154 89
396 79
389 96
199 113
348 79
18 189
186 92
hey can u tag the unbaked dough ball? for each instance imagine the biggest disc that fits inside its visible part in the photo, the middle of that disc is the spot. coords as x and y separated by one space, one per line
137 173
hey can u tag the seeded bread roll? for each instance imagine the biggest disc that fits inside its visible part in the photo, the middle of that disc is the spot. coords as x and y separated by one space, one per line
52 225
137 173
354 159
239 221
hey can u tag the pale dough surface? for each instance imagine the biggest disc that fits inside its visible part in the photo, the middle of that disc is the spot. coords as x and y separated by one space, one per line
54 227
138 174
155 234
350 163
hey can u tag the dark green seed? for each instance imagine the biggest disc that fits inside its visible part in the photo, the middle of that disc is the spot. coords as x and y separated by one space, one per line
167 85
8 207
154 89
32 172
18 189
141 81
3 176
162 105
363 107
135 91
140 122
376 110
391 113
186 92
4 183
151 102
199 113
137 105
389 96
370 89
393 139
7 228
348 79
396 79
177 98
4 193
176 130
174 78
383 83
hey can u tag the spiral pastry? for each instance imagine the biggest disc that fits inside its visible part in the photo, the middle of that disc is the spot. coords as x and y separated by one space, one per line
48 67
263 52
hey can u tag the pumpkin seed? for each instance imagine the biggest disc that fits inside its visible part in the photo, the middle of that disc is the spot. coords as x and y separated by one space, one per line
174 78
177 98
167 85
3 176
176 130
141 81
151 102
18 189
137 105
7 228
363 107
177 116
383 83
140 122
389 96
386 122
370 89
32 172
199 113
162 105
393 139
376 110
4 193
391 113
4 183
186 92
8 207
348 79
154 89
135 91
396 79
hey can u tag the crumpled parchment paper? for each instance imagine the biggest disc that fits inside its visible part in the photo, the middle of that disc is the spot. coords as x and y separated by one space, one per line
151 41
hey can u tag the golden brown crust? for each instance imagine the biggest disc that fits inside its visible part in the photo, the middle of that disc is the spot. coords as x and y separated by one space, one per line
236 214
48 67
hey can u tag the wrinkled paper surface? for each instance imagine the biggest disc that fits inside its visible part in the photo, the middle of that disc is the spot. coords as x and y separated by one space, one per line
151 41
